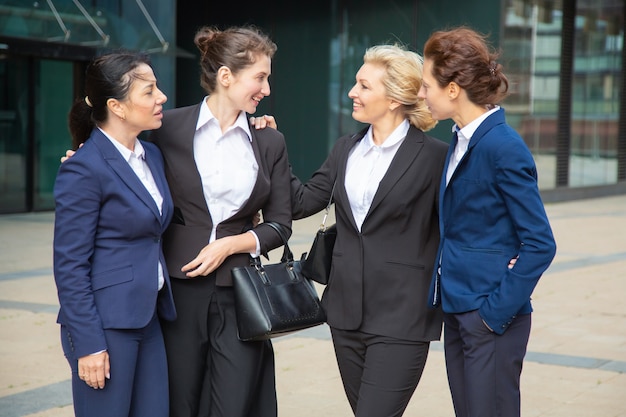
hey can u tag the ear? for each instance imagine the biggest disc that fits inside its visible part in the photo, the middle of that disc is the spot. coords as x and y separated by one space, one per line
453 90
224 76
116 108
393 105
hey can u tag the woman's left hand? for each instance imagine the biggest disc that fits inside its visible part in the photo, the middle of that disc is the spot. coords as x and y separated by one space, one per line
209 258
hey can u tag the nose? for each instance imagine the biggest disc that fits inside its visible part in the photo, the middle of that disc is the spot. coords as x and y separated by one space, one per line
162 97
352 94
265 90
421 93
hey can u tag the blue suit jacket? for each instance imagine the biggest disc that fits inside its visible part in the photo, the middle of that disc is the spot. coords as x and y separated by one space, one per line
107 244
490 212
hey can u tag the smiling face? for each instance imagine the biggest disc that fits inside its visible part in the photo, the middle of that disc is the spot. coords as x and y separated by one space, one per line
436 97
370 103
250 85
143 106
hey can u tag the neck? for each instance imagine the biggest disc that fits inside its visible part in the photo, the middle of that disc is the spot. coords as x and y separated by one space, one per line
120 133
467 111
382 129
223 111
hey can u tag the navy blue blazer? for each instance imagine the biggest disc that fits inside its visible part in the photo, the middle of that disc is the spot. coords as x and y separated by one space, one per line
490 212
107 244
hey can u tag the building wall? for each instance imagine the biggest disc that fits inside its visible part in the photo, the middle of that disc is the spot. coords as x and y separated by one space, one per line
564 59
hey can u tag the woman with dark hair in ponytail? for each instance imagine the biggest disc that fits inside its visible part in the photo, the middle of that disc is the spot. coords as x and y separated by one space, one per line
112 206
490 213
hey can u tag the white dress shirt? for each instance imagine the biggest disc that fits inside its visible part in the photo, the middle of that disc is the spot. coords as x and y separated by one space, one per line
226 164
137 161
463 139
367 165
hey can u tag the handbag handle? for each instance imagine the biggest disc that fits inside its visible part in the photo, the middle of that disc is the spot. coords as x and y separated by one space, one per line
327 210
287 254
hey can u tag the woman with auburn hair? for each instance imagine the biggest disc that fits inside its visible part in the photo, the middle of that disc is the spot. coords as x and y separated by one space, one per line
490 213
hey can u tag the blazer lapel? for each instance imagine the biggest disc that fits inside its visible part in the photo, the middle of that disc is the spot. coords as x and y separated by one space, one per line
182 153
159 179
340 193
406 154
487 124
262 174
121 167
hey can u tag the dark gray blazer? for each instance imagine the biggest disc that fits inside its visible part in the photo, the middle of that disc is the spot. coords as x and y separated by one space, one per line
380 276
191 225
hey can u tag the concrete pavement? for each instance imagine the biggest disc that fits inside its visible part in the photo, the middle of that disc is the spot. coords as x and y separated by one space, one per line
575 367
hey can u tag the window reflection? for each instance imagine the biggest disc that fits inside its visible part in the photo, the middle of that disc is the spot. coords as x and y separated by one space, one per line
597 76
531 50
531 46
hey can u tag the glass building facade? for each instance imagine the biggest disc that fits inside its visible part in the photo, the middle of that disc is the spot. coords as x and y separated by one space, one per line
564 59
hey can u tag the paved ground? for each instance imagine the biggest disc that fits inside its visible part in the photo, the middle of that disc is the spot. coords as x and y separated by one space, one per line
576 365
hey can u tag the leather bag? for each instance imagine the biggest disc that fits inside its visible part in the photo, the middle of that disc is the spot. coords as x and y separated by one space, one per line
276 299
317 263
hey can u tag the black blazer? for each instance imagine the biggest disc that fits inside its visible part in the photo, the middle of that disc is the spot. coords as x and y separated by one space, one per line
191 225
380 276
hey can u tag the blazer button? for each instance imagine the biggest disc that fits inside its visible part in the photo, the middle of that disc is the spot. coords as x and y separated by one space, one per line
157 240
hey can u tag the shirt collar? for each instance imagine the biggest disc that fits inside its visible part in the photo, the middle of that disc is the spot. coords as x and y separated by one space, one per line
127 153
396 136
206 116
471 127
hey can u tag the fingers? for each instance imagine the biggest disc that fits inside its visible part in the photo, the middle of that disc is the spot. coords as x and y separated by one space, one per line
271 122
68 154
93 369
264 121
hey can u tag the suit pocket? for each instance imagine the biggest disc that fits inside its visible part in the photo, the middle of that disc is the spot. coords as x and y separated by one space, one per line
111 277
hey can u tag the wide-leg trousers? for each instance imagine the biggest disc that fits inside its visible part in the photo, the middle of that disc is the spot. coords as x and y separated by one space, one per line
213 373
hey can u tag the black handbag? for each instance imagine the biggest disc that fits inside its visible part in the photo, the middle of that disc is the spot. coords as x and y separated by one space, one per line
274 300
317 263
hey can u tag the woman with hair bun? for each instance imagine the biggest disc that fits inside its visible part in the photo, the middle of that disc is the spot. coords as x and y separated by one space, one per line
490 213
221 172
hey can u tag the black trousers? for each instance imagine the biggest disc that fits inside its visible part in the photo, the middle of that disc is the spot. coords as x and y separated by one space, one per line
379 373
211 372
484 368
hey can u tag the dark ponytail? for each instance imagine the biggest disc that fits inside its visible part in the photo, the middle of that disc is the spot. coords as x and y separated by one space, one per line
109 76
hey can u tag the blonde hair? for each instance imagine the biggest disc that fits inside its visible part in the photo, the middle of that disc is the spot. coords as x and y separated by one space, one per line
402 81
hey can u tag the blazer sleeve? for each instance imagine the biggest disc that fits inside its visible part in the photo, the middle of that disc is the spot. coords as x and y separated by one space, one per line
516 180
77 200
277 206
312 197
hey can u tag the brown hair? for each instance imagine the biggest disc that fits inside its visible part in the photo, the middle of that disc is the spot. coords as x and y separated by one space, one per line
235 48
402 81
464 56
